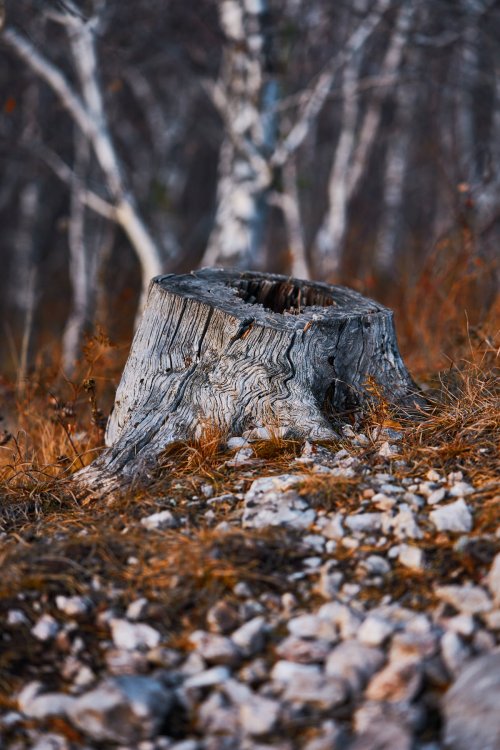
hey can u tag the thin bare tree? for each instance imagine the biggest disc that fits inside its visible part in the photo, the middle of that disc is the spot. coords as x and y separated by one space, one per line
246 96
86 108
357 138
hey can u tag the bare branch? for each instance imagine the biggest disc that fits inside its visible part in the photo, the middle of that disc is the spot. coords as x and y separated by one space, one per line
66 175
90 117
317 97
48 72
373 115
220 100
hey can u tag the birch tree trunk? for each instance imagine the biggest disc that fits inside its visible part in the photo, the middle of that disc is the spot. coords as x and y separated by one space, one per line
27 271
84 54
394 180
246 95
23 281
89 114
356 141
241 351
83 261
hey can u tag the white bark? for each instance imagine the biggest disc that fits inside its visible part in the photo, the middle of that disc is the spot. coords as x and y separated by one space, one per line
467 63
315 96
82 264
396 169
288 203
23 281
331 233
246 96
370 125
84 55
484 189
356 141
26 267
89 114
487 198
291 209
395 173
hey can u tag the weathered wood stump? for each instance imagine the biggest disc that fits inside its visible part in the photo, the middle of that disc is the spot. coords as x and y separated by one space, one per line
242 350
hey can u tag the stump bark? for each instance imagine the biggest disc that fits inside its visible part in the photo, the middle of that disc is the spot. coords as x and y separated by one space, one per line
241 351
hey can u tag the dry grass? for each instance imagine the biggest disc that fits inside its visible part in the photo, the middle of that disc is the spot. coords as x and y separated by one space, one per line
55 426
462 425
55 545
200 456
452 304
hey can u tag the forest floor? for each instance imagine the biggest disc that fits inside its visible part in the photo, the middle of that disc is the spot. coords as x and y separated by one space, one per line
265 595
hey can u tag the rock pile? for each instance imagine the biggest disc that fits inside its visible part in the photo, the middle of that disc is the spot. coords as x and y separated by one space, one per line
326 665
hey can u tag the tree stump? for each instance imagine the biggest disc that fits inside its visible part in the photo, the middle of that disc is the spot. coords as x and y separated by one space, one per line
240 351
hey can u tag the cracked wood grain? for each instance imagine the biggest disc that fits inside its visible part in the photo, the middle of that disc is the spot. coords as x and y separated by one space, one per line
242 350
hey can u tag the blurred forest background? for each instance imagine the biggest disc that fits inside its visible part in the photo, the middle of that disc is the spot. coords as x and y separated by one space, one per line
356 141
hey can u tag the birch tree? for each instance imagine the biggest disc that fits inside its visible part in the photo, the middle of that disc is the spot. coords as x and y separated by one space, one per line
357 138
83 261
86 108
246 96
255 147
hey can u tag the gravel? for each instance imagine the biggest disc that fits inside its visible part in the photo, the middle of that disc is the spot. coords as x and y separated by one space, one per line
348 646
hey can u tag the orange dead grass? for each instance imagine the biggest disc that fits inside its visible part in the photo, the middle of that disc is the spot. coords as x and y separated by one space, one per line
452 304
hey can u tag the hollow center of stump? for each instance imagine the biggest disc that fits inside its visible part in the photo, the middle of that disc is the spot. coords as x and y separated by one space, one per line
281 296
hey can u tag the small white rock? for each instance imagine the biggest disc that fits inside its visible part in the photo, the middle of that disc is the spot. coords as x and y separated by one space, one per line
462 625
131 636
403 525
494 579
315 541
214 648
164 519
288 671
436 496
387 450
410 556
452 517
364 522
35 704
375 630
16 617
136 609
72 605
433 476
355 663
454 652
383 501
375 565
398 682
45 628
259 716
235 443
468 599
241 458
492 619
124 710
312 626
331 526
318 690
461 489
208 678
51 741
343 617
303 651
250 637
